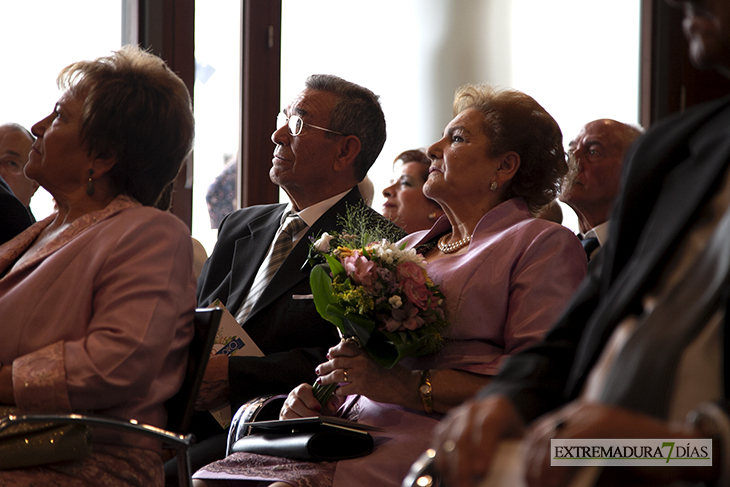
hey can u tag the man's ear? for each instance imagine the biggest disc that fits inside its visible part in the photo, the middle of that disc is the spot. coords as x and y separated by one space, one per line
348 150
508 166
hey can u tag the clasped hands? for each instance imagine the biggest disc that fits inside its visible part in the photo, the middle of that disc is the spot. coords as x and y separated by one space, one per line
356 373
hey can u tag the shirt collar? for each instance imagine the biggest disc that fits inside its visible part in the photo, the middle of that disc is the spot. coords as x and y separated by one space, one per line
599 231
312 213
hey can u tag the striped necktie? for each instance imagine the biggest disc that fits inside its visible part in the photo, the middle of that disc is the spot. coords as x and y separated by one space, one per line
291 225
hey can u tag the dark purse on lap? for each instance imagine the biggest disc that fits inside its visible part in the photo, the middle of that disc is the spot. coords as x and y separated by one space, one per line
320 438
33 444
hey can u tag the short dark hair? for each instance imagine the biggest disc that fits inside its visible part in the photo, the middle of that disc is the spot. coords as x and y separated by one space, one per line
514 121
357 112
138 111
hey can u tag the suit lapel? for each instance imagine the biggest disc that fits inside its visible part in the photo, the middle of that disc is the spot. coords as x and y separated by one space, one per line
293 269
695 165
250 250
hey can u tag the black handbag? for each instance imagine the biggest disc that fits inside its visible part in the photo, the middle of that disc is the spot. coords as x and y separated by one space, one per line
319 438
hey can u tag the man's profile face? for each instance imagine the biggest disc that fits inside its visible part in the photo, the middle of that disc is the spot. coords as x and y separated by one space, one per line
300 162
597 153
14 148
706 26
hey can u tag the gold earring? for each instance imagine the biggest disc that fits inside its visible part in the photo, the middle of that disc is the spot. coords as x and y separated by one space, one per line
494 186
90 184
432 216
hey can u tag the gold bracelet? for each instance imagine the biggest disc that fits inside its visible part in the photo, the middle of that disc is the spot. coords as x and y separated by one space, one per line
426 390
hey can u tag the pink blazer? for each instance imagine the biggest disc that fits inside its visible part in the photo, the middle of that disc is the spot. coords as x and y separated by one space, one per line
507 290
99 320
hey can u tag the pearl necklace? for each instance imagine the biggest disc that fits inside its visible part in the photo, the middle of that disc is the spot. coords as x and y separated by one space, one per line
452 247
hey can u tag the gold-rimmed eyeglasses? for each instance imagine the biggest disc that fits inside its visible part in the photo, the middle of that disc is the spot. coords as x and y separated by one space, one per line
296 124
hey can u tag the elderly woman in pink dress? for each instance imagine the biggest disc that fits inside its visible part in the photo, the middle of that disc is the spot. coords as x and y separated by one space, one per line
506 277
97 300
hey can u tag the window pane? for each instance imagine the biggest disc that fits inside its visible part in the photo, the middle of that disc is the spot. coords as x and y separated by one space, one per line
415 53
217 98
40 38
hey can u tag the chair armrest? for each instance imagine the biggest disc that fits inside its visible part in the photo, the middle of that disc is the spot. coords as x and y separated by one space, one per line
168 438
261 408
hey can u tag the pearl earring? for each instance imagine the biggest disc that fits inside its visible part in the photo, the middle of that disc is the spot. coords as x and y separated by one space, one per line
494 186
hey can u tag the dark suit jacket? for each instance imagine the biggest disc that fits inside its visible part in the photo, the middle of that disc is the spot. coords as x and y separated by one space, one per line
290 332
669 174
14 216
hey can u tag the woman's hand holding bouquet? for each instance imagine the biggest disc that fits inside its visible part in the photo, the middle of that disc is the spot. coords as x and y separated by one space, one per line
382 301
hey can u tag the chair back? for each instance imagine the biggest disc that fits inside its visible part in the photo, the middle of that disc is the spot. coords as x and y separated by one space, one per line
181 406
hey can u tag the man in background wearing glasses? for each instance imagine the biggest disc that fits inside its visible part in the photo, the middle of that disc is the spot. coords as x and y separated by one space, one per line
15 189
326 140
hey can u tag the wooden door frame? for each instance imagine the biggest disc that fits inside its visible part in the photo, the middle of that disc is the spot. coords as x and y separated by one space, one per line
167 28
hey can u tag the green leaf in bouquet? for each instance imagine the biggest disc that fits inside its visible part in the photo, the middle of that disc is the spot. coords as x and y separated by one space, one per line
411 344
358 326
382 350
321 284
335 266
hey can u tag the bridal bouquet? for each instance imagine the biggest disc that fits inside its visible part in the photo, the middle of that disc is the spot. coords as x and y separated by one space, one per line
376 292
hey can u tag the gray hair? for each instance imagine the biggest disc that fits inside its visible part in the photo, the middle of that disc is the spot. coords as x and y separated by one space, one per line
16 127
357 112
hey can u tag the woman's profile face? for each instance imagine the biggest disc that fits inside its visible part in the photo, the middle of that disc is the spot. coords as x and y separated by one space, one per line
58 161
460 165
405 203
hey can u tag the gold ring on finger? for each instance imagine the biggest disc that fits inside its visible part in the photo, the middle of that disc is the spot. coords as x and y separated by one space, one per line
344 372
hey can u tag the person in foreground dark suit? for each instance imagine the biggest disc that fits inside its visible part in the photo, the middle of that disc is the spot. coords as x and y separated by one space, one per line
326 141
672 211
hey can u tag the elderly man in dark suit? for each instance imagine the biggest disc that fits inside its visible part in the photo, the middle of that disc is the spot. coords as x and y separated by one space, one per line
642 351
15 145
15 188
326 140
596 156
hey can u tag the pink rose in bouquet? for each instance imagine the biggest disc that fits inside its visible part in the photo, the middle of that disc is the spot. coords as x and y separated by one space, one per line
411 271
359 269
416 293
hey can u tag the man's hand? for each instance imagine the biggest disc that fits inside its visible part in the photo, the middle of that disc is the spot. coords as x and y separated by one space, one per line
215 390
467 439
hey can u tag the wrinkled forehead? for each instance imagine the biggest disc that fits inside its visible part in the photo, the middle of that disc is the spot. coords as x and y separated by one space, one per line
312 104
598 132
14 142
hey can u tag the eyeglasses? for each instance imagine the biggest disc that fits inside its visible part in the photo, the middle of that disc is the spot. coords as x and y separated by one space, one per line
296 124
